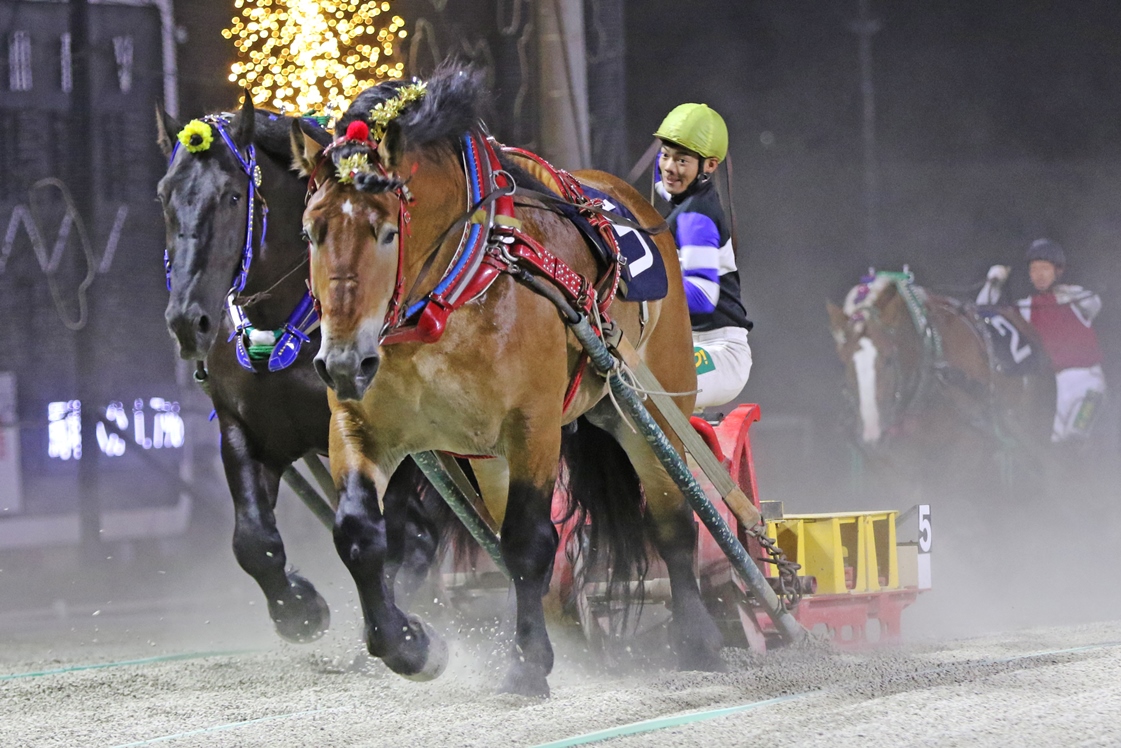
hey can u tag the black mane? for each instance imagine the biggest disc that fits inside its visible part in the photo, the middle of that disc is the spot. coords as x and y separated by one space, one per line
457 100
272 134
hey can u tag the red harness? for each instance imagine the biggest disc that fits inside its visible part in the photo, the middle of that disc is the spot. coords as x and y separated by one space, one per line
500 245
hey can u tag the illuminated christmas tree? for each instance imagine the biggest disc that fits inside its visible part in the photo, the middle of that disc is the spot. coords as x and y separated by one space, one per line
313 55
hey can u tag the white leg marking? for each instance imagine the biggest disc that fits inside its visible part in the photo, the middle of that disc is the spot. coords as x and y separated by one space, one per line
864 361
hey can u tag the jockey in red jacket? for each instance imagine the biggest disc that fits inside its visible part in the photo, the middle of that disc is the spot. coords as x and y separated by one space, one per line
1062 315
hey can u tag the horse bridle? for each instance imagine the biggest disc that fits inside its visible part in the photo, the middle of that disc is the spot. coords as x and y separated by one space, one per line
906 390
252 170
303 318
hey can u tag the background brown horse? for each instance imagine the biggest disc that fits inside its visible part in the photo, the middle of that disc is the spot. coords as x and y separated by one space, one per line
930 398
493 385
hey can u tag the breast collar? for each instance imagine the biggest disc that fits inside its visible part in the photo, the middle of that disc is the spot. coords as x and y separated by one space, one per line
280 347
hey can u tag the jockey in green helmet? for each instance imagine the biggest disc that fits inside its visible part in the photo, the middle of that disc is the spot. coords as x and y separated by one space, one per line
694 142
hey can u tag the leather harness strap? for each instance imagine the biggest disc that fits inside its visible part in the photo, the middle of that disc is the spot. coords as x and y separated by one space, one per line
494 243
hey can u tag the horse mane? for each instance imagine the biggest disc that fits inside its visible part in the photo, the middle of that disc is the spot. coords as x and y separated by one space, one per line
456 101
272 134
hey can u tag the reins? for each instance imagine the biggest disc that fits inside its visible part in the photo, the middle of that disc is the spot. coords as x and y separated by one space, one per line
495 194
493 242
434 248
254 299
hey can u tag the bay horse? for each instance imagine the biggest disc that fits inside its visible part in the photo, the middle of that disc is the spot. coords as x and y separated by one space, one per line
938 384
414 187
238 306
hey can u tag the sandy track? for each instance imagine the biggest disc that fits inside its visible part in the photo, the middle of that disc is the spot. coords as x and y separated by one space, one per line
947 687
979 691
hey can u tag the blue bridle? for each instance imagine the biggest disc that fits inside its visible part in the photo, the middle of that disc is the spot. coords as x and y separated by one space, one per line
286 346
248 164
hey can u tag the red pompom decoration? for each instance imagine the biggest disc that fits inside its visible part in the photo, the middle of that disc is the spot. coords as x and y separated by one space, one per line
358 130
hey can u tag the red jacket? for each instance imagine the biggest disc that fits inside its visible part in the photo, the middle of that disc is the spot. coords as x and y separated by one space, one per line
1062 317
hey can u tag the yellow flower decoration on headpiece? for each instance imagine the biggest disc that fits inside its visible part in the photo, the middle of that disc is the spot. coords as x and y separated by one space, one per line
348 166
387 111
196 136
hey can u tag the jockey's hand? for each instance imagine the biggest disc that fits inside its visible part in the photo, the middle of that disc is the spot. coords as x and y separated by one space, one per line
998 274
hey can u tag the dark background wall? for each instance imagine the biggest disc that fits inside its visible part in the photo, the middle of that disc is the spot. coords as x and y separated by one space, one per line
131 358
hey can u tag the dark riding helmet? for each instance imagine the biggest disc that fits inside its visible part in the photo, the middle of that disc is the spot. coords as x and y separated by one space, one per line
1045 249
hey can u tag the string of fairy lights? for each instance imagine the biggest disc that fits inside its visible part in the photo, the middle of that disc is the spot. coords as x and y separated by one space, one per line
313 55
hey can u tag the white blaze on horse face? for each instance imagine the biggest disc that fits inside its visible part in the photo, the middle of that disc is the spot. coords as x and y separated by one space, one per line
864 361
348 208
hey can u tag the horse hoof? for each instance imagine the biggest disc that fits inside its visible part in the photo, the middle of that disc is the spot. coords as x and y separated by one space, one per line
304 617
525 679
437 660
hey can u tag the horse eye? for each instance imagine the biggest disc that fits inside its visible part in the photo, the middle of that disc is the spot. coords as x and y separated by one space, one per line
305 237
388 236
234 198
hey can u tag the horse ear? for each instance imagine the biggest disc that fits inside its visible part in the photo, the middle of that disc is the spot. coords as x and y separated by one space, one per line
305 149
166 130
391 149
244 122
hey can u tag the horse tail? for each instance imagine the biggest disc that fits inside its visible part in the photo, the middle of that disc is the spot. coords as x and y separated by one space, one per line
603 499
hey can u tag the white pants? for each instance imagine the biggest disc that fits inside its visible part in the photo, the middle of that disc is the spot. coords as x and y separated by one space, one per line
723 360
1073 387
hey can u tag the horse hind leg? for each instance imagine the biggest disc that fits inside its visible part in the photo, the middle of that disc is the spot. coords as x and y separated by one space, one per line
529 545
298 611
673 531
414 518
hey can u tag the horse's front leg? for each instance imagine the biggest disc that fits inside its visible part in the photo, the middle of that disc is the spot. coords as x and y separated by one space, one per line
529 544
298 610
406 644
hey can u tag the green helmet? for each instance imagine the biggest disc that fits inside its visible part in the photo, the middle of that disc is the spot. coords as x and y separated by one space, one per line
698 128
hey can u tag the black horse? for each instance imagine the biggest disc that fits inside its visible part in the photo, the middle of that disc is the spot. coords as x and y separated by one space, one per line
233 273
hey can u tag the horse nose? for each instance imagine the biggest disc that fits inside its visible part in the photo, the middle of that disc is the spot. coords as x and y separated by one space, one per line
321 369
347 373
369 366
192 328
